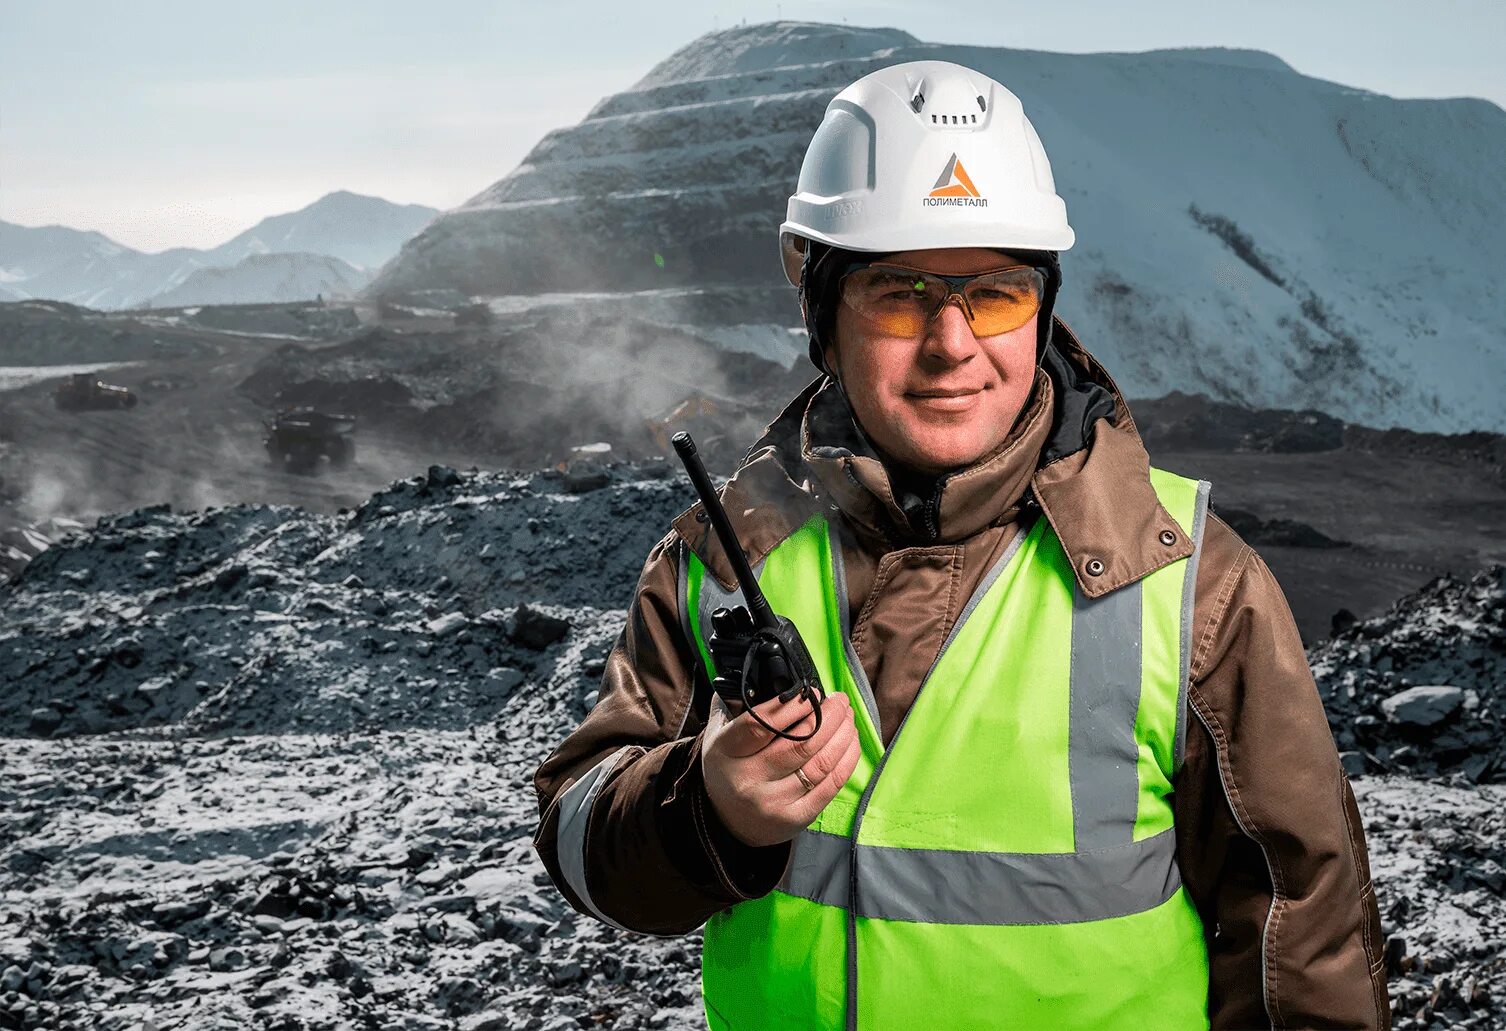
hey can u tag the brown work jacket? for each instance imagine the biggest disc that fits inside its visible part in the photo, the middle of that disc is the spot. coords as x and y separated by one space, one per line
1269 839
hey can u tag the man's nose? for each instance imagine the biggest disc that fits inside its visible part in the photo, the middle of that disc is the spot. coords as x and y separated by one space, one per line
949 336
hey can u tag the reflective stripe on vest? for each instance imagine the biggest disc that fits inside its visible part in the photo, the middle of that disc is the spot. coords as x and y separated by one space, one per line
1009 860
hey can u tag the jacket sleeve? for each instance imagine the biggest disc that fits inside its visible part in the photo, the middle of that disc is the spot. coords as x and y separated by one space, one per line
1269 837
626 830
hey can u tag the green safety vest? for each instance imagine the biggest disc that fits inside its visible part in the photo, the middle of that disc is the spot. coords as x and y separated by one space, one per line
1009 861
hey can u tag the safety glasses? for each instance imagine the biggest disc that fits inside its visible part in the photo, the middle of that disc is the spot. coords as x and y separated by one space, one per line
901 301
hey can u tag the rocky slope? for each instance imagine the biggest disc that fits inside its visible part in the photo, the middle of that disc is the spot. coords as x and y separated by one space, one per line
270 769
202 620
1238 223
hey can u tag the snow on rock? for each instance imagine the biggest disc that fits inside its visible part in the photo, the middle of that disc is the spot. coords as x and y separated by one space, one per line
305 881
1237 221
1423 706
1436 854
272 769
20 542
320 816
779 45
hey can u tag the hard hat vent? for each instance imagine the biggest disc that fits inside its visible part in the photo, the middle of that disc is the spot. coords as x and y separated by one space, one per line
918 101
965 118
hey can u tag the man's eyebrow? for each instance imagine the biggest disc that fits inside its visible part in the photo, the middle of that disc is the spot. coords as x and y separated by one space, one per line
895 274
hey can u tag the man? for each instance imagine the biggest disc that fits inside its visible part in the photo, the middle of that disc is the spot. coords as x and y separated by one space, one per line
1071 768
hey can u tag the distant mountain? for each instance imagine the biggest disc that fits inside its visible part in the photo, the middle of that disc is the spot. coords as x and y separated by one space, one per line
264 279
58 263
361 231
1242 230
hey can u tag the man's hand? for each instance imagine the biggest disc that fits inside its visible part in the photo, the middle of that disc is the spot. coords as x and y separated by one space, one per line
750 773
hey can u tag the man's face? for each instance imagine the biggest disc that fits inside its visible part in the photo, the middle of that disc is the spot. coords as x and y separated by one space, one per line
948 398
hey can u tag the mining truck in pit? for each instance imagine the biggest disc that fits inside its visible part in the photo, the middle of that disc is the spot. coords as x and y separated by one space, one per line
298 439
81 392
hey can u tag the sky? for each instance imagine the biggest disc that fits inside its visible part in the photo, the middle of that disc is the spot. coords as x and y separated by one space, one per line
165 123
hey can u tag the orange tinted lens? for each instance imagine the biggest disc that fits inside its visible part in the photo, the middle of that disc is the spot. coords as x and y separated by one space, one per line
1004 301
897 302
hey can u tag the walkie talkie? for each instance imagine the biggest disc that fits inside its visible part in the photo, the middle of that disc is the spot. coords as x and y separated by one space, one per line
798 678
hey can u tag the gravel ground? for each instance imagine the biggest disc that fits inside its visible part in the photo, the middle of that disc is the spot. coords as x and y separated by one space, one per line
271 769
304 881
1436 853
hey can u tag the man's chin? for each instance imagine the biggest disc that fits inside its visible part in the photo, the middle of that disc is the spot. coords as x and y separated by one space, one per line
938 456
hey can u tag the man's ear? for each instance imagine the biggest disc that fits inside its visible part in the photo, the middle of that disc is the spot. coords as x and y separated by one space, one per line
829 359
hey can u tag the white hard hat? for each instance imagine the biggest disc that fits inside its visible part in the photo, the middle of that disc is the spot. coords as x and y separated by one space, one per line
923 155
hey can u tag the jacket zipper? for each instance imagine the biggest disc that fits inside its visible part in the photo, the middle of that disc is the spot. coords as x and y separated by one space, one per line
932 511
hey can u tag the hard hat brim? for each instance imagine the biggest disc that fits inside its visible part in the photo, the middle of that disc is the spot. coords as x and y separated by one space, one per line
793 237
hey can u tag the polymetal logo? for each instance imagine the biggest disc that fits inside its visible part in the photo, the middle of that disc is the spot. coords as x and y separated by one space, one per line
955 187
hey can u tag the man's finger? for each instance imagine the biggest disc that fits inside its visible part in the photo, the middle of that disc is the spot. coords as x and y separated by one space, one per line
823 762
785 757
744 737
807 808
805 724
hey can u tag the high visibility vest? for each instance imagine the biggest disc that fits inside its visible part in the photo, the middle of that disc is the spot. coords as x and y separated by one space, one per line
1009 861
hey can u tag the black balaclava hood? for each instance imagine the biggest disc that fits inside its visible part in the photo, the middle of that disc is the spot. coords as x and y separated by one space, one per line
819 300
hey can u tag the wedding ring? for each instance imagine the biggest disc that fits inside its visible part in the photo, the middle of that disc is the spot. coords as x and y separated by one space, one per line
805 781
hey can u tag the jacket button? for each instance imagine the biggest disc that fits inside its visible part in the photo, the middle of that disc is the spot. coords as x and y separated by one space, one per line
1094 567
701 516
1168 538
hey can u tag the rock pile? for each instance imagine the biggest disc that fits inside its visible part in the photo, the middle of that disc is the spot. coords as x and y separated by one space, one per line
1196 421
185 840
428 605
1421 689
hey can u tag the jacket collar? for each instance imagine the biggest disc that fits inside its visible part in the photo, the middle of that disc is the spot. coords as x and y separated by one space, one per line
1098 497
1074 451
895 508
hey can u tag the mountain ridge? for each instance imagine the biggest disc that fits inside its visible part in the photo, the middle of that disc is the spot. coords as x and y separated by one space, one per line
83 266
1243 229
281 277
